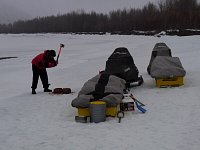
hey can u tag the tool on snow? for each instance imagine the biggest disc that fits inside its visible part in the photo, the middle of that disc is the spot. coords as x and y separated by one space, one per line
140 107
61 46
120 115
138 104
131 95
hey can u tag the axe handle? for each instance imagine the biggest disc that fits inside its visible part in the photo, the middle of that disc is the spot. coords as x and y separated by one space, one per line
61 45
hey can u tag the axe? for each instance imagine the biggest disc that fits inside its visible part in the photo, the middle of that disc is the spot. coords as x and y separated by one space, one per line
61 46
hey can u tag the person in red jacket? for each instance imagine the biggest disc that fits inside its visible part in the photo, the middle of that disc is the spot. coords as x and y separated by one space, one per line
39 65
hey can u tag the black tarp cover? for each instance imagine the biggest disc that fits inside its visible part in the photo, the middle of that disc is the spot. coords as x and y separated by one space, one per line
121 64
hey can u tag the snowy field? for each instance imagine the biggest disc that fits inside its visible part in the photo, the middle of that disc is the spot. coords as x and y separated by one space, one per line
46 122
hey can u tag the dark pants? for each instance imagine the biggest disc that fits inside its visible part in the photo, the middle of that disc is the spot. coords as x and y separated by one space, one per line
42 73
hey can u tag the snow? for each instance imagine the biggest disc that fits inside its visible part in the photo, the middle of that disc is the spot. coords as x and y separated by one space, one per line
46 122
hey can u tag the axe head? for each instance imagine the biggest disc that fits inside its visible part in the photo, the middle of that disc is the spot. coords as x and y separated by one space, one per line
62 45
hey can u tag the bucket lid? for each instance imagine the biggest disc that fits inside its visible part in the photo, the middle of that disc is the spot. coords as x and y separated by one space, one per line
98 102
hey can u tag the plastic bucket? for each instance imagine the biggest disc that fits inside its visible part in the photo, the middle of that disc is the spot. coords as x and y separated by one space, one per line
97 111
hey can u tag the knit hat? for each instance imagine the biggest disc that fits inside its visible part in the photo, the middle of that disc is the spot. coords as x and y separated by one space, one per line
52 53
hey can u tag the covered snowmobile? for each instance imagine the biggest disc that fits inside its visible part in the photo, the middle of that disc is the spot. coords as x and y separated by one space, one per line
121 64
104 87
160 49
167 67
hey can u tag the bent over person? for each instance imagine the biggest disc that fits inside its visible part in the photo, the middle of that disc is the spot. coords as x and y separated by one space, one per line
39 65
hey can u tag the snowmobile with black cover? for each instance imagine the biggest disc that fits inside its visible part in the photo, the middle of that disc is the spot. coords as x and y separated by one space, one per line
121 64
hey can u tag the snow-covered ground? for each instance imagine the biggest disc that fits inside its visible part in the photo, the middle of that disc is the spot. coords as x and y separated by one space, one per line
46 122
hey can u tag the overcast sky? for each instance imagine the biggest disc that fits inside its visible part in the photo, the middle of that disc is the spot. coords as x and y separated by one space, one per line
52 7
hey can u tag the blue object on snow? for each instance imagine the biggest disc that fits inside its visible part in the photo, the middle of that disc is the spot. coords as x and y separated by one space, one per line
140 107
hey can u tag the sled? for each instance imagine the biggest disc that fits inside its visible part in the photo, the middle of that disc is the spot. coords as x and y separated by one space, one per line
110 111
84 113
169 82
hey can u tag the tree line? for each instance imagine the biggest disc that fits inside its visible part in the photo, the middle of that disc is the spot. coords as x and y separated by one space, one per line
165 15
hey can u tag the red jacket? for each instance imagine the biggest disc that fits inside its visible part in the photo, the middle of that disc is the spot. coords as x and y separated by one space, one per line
43 61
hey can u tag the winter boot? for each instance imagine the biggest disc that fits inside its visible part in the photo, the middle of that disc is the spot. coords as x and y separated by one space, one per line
47 90
33 91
